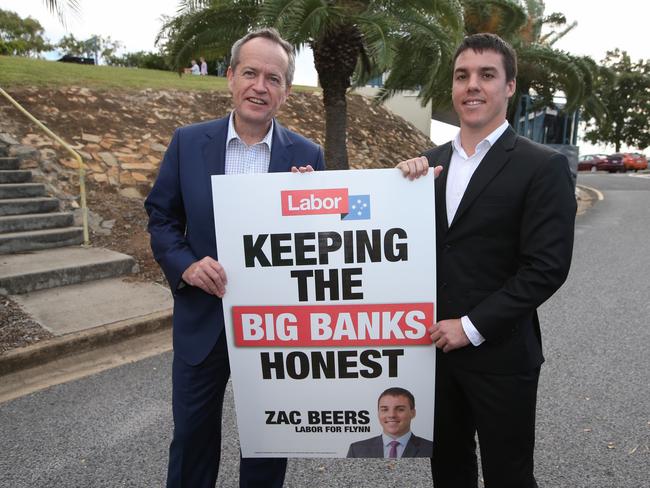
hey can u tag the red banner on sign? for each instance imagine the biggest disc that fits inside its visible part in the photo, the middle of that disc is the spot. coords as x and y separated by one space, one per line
347 325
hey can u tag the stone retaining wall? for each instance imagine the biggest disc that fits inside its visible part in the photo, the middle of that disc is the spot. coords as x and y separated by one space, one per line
122 136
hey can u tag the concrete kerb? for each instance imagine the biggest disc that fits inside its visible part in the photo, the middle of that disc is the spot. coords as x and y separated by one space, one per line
82 341
586 197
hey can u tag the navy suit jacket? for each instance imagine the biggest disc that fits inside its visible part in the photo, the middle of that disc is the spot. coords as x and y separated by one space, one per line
507 250
374 448
181 220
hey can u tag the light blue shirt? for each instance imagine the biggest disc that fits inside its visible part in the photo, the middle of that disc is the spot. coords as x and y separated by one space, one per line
242 158
386 439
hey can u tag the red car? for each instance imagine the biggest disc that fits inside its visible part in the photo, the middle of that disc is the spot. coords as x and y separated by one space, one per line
631 161
600 162
640 161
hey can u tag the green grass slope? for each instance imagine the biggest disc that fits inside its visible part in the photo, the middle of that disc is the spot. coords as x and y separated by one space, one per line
18 72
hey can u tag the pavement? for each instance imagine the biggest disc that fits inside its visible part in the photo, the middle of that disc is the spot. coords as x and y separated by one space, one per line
98 320
86 307
116 312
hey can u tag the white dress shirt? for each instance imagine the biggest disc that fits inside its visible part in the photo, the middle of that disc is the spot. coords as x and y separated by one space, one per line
461 169
242 158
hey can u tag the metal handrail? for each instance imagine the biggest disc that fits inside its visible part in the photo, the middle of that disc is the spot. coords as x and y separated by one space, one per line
82 169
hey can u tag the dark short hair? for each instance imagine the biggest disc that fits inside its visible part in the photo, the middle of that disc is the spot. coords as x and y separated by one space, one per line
396 391
272 35
486 41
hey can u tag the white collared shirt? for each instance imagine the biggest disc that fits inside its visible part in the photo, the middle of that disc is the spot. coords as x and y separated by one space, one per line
242 158
461 169
386 439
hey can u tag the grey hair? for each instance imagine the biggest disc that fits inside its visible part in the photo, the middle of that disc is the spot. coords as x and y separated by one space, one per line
272 35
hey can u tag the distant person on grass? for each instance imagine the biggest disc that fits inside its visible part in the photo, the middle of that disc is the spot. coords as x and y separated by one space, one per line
204 66
195 69
181 224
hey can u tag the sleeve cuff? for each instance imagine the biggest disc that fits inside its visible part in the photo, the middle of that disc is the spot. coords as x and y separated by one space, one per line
472 334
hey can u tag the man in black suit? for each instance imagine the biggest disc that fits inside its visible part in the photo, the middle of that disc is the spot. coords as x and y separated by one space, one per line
395 410
505 212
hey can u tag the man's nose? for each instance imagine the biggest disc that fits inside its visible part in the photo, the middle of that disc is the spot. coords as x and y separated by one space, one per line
260 84
472 83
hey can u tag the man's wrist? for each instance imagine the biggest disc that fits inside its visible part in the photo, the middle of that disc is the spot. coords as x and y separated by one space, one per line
471 332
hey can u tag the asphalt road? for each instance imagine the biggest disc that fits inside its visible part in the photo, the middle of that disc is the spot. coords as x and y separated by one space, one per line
112 429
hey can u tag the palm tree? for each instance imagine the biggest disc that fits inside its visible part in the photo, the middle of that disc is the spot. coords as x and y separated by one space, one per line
543 70
207 27
352 40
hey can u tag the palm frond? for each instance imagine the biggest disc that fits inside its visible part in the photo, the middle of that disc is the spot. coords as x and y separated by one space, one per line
299 21
502 17
56 7
422 61
545 67
211 30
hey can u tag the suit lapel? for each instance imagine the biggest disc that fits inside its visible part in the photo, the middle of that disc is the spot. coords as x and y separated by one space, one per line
411 448
378 447
280 154
494 160
441 186
214 150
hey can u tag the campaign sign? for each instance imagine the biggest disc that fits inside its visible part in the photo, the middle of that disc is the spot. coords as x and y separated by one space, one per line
331 289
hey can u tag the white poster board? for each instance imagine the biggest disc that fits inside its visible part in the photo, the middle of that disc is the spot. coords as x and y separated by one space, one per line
331 286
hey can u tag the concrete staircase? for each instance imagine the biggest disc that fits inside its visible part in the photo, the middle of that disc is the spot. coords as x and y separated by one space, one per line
30 220
63 286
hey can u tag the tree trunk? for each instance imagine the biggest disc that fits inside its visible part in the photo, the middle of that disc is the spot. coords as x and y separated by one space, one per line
336 123
618 137
335 57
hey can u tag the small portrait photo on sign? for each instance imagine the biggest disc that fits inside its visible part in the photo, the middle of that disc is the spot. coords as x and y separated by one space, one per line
395 411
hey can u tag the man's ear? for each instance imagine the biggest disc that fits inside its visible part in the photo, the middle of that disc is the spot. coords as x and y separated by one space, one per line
511 86
229 76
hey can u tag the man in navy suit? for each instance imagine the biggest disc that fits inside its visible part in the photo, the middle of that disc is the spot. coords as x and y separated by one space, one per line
395 410
505 211
181 224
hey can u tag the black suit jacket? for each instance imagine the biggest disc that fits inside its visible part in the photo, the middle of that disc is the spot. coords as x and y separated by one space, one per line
507 250
374 448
